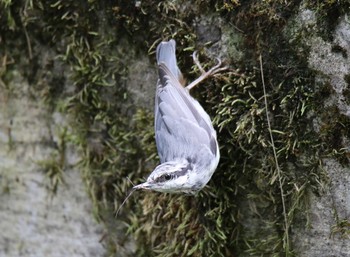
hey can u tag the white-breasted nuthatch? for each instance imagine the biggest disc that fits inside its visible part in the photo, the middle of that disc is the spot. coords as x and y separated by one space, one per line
185 137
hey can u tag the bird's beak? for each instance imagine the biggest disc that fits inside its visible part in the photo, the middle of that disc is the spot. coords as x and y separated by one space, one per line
145 185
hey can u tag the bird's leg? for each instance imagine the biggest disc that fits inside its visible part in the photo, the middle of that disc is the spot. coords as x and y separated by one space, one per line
205 74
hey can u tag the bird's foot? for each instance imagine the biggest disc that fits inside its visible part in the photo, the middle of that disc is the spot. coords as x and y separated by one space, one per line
205 74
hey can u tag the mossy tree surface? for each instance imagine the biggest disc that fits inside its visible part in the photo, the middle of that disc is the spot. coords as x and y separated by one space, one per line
240 211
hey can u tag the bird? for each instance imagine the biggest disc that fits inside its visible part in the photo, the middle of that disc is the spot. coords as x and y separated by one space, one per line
185 137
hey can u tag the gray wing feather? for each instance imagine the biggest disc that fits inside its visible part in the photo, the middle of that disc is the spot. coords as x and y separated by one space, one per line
182 127
180 139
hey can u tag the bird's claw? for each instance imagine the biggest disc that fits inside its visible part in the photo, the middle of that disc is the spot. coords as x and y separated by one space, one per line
205 74
195 60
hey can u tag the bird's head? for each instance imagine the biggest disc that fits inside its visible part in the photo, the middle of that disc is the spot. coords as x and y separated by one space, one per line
174 177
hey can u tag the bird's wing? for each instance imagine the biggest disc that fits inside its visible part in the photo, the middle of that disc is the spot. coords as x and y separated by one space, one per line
182 126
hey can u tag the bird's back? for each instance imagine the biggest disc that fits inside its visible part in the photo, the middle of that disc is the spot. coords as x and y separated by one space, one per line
183 129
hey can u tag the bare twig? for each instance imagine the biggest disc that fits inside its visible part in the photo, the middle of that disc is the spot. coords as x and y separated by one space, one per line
286 225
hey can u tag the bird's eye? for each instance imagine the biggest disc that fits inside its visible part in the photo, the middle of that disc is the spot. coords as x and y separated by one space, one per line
164 178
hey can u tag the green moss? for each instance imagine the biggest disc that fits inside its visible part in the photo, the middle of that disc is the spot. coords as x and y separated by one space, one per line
328 13
333 133
6 17
54 166
342 228
347 79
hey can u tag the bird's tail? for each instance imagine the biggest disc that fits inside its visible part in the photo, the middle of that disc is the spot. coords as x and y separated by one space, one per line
166 55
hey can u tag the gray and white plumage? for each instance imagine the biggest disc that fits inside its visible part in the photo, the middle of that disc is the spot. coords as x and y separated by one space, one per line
185 137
